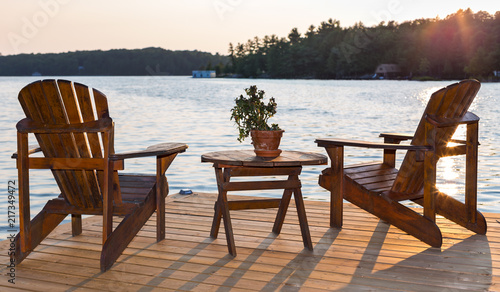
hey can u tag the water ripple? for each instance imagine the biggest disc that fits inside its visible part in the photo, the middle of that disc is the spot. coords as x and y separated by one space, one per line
151 110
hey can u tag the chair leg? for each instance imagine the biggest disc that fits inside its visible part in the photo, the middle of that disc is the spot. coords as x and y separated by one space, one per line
162 164
471 172
457 211
128 228
41 226
76 224
396 214
336 185
388 210
160 208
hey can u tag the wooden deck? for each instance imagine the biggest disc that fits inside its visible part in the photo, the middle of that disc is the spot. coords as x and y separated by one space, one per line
367 254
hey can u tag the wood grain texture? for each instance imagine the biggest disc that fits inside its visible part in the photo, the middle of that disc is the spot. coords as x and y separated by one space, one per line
246 163
70 122
367 254
248 158
378 188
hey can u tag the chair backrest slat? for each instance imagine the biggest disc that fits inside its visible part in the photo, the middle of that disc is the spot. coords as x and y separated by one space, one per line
65 144
88 179
35 105
450 102
88 113
62 102
102 111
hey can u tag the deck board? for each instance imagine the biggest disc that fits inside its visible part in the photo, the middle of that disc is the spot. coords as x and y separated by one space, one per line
366 255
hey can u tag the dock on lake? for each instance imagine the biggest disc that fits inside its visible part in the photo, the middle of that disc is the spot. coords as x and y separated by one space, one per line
366 255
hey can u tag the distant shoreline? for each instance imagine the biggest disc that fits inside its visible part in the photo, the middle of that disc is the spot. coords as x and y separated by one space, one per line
246 78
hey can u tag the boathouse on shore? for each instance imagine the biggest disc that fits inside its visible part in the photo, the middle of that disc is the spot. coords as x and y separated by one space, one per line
204 74
387 71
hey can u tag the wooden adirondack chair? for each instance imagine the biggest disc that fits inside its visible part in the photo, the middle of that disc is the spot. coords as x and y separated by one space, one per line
66 119
379 187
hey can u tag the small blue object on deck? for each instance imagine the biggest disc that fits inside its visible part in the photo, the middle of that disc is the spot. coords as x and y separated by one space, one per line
185 192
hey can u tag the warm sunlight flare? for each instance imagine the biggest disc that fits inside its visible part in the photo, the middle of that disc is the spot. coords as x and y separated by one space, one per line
451 169
465 30
53 26
449 172
424 95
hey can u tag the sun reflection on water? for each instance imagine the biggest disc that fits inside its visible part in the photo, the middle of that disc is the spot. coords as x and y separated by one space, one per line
424 95
152 110
451 170
449 174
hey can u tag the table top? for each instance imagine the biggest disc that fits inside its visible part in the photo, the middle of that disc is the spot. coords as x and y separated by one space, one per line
248 158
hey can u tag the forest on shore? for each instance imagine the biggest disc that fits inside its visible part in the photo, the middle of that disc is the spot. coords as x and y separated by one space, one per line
120 62
462 45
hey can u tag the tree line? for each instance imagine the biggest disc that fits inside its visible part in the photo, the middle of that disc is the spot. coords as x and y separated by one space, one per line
120 62
464 44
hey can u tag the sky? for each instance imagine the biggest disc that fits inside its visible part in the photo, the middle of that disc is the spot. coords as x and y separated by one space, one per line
55 26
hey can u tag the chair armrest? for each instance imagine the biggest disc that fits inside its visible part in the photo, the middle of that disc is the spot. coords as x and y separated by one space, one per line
468 118
330 142
162 149
32 149
395 136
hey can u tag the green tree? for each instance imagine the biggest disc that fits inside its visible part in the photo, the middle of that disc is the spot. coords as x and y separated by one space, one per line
441 48
482 64
424 66
148 61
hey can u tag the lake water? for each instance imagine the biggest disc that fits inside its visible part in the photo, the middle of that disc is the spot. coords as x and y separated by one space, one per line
149 110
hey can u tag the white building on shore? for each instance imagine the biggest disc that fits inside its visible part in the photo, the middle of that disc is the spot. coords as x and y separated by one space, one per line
204 74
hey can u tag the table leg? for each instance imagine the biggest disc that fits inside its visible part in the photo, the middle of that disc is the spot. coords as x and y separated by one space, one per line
222 212
285 201
301 212
280 216
214 232
290 186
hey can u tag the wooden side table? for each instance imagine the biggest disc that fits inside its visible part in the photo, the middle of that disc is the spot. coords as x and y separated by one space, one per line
244 163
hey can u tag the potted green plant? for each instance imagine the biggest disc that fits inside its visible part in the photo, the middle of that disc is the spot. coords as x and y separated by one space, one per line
251 116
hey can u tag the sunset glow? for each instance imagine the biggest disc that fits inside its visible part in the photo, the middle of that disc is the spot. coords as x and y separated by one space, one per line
63 25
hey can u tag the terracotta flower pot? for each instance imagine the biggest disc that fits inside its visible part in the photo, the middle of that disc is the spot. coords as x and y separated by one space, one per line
266 143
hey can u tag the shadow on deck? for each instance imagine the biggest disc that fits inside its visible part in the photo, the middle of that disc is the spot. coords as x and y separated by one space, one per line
367 254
